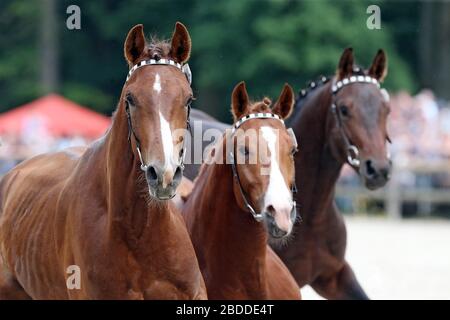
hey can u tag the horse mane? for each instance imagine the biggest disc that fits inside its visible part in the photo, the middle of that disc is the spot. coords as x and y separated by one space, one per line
260 106
157 48
304 93
263 105
313 85
154 49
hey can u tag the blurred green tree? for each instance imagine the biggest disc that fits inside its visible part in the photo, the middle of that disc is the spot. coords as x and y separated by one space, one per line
268 43
265 43
19 56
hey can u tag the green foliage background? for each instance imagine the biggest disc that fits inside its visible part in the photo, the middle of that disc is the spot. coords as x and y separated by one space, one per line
265 43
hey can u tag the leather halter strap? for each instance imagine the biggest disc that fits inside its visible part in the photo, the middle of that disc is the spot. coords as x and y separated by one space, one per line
258 216
187 72
352 150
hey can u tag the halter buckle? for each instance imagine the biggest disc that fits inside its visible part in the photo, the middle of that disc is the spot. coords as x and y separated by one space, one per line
352 156
144 167
258 216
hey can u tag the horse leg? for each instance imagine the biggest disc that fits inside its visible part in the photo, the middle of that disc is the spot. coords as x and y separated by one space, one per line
341 286
10 289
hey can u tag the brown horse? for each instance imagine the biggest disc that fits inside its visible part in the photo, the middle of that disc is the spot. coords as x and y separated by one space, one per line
338 121
234 207
94 211
353 131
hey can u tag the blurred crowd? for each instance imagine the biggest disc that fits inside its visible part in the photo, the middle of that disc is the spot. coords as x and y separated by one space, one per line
16 148
420 126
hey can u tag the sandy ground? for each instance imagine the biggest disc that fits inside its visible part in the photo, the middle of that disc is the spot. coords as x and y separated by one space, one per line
408 259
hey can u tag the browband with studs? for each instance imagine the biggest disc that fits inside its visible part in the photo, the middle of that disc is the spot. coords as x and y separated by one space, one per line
353 79
183 68
259 115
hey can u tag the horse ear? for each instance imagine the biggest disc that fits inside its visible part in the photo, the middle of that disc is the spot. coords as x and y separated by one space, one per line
285 103
378 69
181 43
134 44
239 100
345 67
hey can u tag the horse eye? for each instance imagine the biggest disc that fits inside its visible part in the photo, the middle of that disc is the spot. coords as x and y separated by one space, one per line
294 150
129 100
189 101
344 111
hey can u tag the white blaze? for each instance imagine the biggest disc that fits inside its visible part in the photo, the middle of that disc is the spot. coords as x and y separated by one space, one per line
157 84
166 140
277 194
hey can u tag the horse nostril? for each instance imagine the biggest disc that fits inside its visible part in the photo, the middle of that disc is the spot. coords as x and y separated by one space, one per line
385 172
152 176
280 233
270 210
370 170
178 174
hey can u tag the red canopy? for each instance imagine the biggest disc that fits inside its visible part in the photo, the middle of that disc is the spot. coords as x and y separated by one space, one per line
57 115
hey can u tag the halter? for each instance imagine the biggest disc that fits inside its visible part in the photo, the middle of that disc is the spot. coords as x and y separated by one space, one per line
352 150
261 115
182 67
187 72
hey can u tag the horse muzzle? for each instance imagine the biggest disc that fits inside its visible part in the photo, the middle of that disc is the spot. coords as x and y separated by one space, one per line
280 222
375 174
163 184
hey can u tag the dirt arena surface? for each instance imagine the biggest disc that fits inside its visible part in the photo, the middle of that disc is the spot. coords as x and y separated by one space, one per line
408 259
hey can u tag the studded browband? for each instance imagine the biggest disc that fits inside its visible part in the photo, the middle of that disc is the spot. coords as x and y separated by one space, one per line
182 67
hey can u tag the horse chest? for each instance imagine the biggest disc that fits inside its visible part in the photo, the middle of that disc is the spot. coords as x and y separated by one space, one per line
150 279
124 281
321 251
166 290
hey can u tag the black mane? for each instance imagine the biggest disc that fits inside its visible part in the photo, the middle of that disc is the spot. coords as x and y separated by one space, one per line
313 85
303 93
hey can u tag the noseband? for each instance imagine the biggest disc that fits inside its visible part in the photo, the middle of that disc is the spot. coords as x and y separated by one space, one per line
258 216
352 150
187 72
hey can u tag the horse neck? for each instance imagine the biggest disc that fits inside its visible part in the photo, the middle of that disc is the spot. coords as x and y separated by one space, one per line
231 236
132 215
317 170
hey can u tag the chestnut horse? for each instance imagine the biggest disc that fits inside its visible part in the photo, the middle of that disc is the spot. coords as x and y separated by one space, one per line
103 210
234 206
333 128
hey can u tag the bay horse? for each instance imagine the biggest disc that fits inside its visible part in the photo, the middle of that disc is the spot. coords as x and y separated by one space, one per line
234 208
104 210
337 121
334 125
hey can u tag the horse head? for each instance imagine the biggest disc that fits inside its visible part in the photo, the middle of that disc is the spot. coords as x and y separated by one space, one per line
361 111
263 160
156 98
